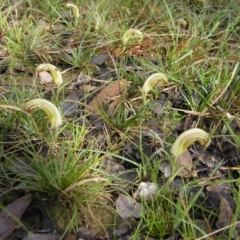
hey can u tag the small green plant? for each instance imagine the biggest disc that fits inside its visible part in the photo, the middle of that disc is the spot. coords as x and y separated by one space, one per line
132 36
154 79
158 218
187 138
54 71
75 10
124 117
49 108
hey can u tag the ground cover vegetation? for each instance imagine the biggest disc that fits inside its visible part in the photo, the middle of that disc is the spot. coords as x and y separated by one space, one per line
119 119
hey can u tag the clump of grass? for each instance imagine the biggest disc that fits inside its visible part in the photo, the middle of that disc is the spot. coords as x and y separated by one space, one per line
69 173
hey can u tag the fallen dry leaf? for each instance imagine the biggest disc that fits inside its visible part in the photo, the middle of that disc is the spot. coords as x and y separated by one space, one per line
128 207
225 214
99 59
166 168
16 210
185 160
109 93
70 104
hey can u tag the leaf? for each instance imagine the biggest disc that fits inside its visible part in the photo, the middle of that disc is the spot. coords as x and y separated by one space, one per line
99 59
185 161
110 92
69 105
225 215
166 168
11 213
128 207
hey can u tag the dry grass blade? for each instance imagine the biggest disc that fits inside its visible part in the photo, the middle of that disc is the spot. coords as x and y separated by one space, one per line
12 108
77 184
227 86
